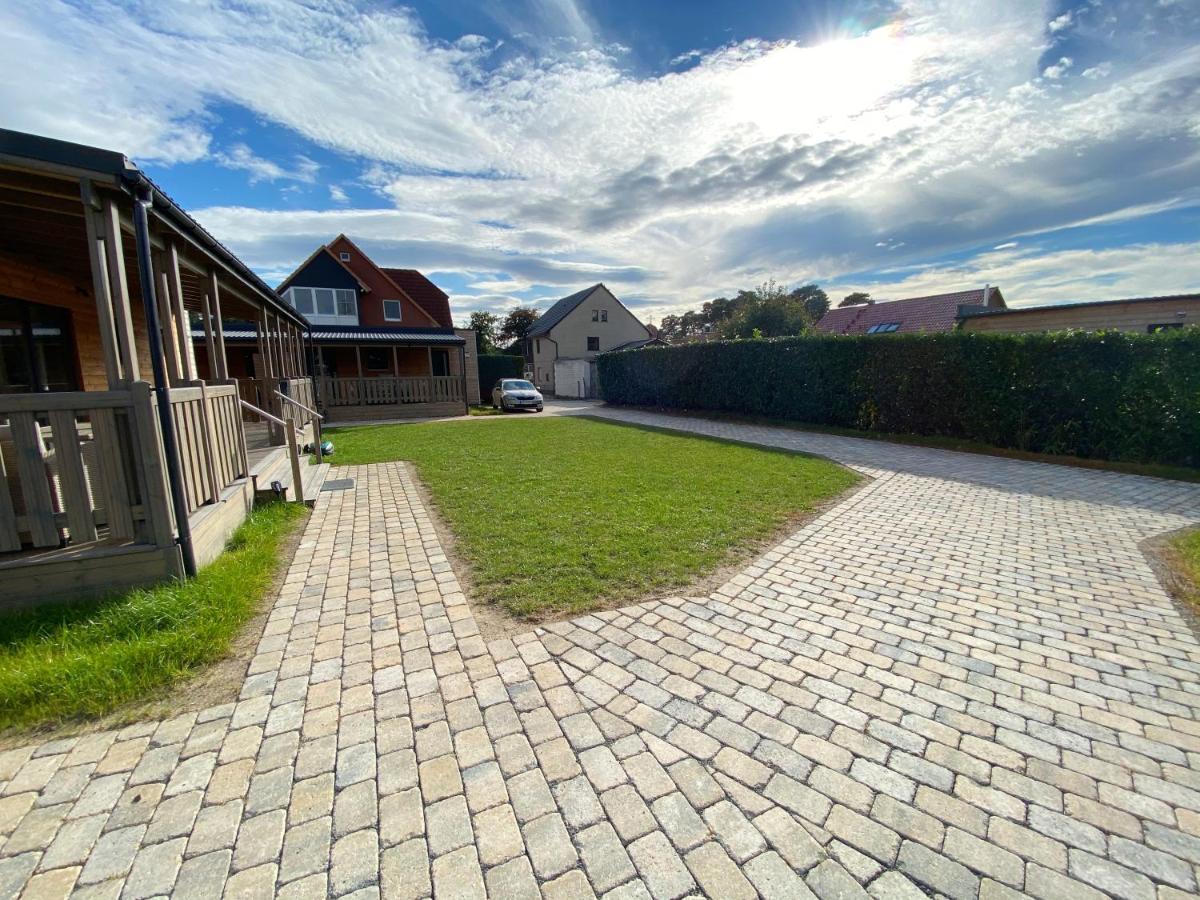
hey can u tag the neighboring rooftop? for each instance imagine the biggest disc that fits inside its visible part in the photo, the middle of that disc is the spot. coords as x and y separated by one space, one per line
1083 304
560 310
424 293
937 312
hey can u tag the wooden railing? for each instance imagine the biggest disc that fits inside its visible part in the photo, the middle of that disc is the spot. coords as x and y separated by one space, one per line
79 466
212 445
260 393
390 390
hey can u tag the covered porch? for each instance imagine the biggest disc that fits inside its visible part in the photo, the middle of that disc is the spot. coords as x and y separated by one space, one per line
120 463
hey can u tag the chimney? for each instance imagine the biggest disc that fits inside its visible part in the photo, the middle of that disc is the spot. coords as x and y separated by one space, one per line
987 288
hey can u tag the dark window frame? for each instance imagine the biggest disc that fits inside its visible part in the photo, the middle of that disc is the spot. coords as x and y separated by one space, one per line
593 344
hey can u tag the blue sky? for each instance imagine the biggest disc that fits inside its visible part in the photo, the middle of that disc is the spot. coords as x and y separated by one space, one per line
516 151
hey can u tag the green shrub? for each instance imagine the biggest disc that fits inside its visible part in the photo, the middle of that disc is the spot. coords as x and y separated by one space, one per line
1106 395
493 367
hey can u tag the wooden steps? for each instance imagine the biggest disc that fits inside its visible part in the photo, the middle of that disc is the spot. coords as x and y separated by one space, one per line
274 465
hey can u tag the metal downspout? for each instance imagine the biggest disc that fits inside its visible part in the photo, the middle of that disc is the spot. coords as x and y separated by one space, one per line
141 232
462 368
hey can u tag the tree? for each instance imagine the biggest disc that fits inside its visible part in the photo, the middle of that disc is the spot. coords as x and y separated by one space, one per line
485 325
517 323
858 298
767 311
815 300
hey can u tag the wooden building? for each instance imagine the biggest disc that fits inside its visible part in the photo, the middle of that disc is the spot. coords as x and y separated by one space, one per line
384 342
1144 315
120 463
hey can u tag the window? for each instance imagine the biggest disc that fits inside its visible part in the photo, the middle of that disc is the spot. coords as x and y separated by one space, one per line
344 256
377 360
302 300
595 315
883 328
391 310
327 306
1162 326
37 348
593 343
537 346
604 315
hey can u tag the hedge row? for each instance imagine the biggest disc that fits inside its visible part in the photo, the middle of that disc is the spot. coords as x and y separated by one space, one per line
1106 395
493 367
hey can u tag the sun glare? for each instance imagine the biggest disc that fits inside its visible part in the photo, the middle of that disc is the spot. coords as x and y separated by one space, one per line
795 89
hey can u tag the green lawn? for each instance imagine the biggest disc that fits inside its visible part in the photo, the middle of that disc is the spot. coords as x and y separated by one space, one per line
1185 561
568 514
87 659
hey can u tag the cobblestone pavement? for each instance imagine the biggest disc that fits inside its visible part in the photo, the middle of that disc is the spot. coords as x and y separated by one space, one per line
963 680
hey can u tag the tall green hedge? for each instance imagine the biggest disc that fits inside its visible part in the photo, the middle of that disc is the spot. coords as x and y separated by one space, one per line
1106 395
493 367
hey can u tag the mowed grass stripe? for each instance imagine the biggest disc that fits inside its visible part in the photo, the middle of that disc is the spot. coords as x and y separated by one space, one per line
569 514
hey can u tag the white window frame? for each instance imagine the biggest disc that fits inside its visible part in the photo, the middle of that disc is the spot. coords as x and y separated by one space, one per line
343 298
595 315
399 317
344 255
604 315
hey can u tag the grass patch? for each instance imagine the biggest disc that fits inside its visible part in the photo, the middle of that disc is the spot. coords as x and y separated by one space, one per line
1151 470
482 410
566 514
1183 558
86 659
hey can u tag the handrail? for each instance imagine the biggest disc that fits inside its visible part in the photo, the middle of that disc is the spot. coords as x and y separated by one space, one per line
266 415
311 412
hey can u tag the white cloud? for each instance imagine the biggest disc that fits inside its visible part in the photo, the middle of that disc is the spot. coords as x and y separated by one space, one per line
1059 69
1008 245
242 158
561 166
1059 23
1036 277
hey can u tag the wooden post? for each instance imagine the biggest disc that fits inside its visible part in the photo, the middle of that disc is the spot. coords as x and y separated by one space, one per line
294 453
183 326
157 501
214 293
119 291
166 324
358 359
104 308
210 349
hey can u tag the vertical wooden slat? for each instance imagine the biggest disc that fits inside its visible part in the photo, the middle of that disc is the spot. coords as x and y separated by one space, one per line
119 291
77 499
35 483
208 442
210 347
109 454
10 539
156 503
183 330
214 295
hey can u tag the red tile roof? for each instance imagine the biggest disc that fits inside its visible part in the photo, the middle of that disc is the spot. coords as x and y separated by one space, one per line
938 312
424 293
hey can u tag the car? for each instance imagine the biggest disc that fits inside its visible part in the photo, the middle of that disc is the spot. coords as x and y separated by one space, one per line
516 393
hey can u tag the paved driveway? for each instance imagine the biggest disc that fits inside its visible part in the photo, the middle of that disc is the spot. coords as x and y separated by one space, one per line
963 680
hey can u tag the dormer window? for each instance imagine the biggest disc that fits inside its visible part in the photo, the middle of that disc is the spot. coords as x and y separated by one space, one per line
391 310
326 306
344 256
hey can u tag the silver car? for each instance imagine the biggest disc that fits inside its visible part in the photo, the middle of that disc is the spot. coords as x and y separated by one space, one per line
516 393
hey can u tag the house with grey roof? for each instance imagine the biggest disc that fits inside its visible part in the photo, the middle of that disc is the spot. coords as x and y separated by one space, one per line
562 346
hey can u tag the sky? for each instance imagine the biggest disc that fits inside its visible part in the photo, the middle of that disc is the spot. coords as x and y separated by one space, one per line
679 150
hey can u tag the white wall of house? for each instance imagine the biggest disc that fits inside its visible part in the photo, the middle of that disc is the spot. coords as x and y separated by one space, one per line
601 317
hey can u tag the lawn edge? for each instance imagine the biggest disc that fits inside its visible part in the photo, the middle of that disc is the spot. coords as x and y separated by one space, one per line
219 681
952 445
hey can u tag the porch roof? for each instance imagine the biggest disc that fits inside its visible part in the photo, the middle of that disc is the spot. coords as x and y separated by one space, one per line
359 335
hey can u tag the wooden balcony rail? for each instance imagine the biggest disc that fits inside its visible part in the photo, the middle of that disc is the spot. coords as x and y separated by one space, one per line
212 445
388 390
80 466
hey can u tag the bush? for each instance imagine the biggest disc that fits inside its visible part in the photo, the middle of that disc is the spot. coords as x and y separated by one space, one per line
1107 395
493 367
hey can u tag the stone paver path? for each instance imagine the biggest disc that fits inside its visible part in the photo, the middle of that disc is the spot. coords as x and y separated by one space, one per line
963 680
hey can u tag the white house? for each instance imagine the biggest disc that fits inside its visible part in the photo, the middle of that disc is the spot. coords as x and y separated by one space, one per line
562 346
